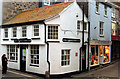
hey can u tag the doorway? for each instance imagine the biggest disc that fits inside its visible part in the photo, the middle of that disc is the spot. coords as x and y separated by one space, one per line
83 58
23 57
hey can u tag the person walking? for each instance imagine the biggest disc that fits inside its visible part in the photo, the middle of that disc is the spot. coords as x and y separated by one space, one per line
4 64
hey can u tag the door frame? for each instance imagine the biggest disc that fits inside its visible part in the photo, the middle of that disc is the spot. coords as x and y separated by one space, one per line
21 62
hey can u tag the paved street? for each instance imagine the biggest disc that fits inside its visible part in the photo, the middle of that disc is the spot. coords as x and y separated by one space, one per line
109 72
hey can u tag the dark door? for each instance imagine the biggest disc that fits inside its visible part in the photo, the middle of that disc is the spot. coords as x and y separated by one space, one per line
83 57
23 57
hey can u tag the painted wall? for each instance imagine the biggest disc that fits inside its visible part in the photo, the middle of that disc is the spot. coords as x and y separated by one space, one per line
95 18
67 29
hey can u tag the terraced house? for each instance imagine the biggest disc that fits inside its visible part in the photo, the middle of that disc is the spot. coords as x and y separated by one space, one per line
45 39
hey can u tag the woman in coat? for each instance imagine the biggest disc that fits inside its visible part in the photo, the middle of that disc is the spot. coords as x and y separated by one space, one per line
4 64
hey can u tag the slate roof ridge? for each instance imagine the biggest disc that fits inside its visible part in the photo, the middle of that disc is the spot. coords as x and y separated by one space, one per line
46 6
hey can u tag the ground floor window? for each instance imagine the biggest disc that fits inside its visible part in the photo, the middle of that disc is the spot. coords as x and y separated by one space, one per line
34 54
94 55
65 58
105 52
12 52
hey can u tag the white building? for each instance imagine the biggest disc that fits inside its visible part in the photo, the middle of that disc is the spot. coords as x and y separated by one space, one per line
45 39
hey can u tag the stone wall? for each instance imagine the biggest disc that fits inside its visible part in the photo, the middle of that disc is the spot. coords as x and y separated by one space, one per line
11 9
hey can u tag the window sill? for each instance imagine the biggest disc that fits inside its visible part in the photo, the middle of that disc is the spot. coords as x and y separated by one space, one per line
12 61
34 65
23 37
53 40
35 37
13 38
97 13
106 16
5 39
101 35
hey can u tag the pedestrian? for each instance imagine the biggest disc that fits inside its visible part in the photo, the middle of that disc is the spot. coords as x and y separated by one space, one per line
4 64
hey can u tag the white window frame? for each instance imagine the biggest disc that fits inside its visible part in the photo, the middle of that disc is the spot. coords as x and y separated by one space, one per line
5 32
113 12
23 31
34 54
13 31
97 7
105 10
12 51
66 55
78 25
101 29
47 2
51 32
34 28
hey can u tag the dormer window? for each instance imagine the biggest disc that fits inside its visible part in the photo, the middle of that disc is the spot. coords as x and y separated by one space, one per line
36 30
6 32
14 32
24 31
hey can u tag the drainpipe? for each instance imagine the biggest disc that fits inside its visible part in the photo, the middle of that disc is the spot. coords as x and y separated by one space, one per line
88 42
48 72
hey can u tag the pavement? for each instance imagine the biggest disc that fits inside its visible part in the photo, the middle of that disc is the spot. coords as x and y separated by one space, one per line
110 71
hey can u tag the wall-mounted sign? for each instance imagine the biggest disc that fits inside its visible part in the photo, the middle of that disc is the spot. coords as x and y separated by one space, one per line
71 40
22 40
99 42
76 54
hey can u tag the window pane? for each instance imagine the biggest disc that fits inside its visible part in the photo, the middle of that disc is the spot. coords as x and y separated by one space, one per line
65 58
52 32
35 54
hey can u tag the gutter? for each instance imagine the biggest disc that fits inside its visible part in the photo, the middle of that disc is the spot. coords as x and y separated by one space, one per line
47 50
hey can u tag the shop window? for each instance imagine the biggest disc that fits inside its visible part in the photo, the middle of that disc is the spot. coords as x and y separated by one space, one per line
106 54
15 32
36 30
52 32
24 31
35 54
6 32
97 7
12 53
65 58
94 55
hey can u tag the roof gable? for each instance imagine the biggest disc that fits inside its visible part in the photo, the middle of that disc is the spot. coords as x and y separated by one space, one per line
38 13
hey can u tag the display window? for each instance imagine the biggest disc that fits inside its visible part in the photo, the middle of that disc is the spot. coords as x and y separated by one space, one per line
105 53
94 55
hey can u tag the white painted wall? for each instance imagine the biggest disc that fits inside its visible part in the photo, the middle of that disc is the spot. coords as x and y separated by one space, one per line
67 22
67 29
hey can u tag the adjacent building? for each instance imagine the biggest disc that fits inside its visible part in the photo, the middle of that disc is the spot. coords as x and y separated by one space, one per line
115 25
46 39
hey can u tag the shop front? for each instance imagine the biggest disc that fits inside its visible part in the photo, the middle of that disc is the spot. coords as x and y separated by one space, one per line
100 52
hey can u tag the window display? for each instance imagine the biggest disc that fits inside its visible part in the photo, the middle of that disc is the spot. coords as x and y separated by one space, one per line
94 55
106 54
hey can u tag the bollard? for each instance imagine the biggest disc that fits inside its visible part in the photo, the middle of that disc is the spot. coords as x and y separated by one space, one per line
47 75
